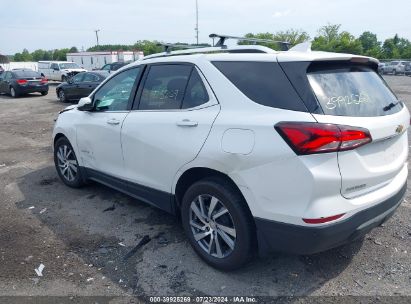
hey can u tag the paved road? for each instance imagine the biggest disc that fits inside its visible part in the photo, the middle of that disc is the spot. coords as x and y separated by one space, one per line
83 247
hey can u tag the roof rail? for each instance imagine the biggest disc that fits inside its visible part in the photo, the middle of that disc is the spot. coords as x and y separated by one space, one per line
222 38
232 49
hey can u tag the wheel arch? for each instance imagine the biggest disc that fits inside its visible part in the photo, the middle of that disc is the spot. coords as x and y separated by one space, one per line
57 137
194 174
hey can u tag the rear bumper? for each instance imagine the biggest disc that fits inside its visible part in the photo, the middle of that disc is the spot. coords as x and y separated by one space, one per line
32 89
276 236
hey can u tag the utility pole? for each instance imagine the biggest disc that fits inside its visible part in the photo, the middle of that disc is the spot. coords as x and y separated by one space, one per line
97 35
196 29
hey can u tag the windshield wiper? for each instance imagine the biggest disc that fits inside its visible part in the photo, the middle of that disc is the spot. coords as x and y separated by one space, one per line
390 106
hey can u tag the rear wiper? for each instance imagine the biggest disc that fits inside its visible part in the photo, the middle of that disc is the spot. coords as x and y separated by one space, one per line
390 106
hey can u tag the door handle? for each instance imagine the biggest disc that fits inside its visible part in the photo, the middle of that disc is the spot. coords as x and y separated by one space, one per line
187 123
113 121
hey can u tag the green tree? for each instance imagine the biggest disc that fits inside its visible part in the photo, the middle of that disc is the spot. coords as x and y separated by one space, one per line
330 39
24 56
390 48
38 55
330 32
396 47
148 47
370 44
17 57
60 54
293 36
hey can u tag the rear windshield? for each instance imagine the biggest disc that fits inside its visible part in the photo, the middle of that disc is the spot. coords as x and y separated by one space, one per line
24 74
353 91
263 82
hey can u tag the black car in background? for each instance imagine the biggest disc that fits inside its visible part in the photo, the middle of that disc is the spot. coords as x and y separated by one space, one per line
23 81
114 66
80 85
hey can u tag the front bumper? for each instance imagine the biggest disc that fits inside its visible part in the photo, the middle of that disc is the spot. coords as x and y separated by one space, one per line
275 236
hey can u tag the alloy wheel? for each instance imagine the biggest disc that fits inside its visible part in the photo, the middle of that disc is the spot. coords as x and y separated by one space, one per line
212 226
62 96
12 92
67 162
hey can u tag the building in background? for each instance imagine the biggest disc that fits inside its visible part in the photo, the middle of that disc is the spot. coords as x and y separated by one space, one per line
96 60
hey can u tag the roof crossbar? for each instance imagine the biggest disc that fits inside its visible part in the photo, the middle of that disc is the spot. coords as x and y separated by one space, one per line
222 38
168 47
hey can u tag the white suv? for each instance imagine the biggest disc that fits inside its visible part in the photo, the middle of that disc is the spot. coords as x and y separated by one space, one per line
256 150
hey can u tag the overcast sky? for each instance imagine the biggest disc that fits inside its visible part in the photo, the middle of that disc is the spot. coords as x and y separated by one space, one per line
50 24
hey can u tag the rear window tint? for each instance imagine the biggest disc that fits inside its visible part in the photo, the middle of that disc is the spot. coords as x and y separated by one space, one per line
263 82
196 93
353 91
164 87
26 74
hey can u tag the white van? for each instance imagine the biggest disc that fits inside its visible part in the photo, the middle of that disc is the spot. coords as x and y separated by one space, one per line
59 70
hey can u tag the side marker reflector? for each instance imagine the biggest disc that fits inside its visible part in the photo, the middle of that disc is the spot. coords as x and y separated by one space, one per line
323 220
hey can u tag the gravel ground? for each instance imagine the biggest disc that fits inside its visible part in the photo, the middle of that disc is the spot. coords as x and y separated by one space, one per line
83 247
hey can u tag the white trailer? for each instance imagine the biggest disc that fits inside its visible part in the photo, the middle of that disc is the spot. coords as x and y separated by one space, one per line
19 65
96 60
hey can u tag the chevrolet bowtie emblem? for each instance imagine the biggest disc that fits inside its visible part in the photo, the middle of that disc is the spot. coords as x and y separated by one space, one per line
399 129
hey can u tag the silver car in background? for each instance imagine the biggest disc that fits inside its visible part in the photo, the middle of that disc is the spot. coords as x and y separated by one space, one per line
394 67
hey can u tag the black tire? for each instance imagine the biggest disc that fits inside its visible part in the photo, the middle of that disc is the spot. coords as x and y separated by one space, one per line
44 93
13 92
61 94
394 72
62 161
245 243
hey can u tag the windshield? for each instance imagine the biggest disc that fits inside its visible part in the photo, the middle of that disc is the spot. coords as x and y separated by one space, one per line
353 91
68 65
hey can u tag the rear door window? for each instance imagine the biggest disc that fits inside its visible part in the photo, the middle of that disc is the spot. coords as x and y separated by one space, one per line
263 82
196 93
352 91
165 87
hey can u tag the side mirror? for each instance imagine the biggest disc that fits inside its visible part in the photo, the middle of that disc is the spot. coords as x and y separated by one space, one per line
85 104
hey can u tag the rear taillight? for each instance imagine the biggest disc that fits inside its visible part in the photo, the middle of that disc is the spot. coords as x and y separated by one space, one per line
43 80
21 81
310 137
